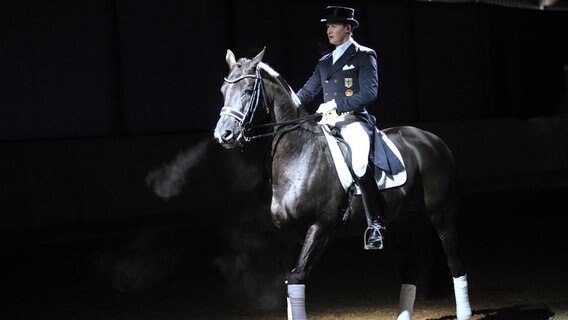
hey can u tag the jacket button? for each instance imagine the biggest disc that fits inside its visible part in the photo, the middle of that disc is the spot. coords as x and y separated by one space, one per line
326 81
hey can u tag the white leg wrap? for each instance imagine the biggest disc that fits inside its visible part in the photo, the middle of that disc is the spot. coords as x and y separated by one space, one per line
463 309
406 302
296 302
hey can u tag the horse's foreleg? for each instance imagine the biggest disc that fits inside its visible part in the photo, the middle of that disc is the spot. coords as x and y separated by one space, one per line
404 242
314 244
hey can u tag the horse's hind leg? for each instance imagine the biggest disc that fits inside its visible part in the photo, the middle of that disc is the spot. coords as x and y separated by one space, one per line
445 224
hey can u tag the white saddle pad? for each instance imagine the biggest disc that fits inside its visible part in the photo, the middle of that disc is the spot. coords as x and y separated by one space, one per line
384 181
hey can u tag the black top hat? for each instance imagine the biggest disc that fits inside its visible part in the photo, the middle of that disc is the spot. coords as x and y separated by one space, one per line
340 14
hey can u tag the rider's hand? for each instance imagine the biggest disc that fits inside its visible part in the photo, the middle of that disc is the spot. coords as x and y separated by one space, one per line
327 108
328 111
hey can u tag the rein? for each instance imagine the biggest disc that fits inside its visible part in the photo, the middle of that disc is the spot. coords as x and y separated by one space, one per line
245 119
296 122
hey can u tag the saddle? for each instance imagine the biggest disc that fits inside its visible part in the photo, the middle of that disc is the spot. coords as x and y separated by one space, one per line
384 158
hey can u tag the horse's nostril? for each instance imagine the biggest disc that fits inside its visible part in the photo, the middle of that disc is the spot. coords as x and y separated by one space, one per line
227 135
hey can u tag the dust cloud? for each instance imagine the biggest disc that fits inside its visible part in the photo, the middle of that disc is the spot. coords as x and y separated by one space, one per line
168 180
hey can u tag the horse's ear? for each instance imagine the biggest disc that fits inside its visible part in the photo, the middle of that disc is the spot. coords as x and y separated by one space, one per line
256 60
230 58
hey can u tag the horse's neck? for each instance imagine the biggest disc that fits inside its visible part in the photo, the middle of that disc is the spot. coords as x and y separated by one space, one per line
286 108
286 105
286 111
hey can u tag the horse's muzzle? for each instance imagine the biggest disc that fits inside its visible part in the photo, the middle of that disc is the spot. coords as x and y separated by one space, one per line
226 138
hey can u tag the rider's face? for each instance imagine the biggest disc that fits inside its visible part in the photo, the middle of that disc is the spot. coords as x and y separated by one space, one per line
338 33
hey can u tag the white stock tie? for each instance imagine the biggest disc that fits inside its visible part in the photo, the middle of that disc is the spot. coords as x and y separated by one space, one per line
335 55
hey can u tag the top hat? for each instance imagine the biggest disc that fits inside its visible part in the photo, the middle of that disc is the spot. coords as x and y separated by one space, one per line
340 14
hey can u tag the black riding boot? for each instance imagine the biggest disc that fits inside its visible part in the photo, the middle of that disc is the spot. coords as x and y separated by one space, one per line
375 233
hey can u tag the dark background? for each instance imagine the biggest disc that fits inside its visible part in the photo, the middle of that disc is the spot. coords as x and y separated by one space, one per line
97 94
115 68
109 177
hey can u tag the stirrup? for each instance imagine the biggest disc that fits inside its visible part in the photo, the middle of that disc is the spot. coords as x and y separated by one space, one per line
378 244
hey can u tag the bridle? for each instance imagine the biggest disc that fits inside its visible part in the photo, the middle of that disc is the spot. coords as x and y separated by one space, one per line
245 119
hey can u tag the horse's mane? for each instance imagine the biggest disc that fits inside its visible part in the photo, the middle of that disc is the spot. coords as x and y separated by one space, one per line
302 136
274 74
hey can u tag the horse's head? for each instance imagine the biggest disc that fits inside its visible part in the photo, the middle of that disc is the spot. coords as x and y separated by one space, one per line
242 92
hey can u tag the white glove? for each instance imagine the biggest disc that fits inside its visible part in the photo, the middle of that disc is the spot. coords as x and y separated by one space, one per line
328 107
328 111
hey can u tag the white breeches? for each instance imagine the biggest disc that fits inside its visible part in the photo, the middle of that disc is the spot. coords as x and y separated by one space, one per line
356 137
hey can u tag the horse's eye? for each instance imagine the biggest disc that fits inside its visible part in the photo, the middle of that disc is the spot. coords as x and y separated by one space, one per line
248 91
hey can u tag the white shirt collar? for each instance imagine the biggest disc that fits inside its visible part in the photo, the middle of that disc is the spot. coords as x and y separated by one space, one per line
340 49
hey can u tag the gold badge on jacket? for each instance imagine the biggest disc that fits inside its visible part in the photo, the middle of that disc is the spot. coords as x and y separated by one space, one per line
348 92
348 82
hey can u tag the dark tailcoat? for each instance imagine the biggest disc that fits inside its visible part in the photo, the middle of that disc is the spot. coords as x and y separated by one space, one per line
353 82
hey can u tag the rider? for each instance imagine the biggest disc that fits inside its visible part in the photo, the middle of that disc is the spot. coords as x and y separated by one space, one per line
349 80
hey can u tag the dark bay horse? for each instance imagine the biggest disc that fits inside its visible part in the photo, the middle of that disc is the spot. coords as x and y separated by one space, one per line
308 199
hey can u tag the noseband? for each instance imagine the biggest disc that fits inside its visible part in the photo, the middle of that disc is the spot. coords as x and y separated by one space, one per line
245 119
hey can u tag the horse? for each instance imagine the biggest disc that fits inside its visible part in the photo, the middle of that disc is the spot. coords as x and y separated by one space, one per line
308 201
